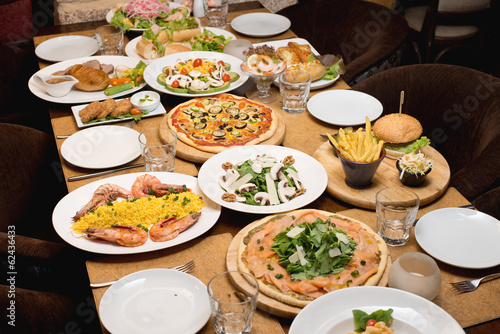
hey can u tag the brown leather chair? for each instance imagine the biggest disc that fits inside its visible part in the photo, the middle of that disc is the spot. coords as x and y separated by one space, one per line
459 109
368 36
50 287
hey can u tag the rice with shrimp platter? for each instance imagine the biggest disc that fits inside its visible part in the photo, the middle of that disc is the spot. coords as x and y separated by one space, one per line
142 212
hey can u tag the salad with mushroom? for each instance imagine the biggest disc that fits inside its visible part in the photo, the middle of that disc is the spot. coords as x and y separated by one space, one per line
263 180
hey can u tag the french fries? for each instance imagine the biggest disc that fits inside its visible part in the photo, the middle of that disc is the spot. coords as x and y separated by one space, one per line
358 146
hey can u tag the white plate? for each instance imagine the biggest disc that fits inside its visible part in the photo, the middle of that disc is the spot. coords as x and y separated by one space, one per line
75 95
76 109
155 301
131 49
111 13
261 24
105 146
332 313
311 173
472 237
155 68
66 48
318 84
344 107
71 203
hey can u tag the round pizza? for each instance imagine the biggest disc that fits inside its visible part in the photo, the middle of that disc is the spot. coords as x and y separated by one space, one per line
301 255
216 123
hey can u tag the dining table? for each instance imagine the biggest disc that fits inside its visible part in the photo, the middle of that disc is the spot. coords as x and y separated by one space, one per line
476 312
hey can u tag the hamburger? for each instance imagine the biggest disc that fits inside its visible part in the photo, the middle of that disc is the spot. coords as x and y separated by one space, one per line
401 134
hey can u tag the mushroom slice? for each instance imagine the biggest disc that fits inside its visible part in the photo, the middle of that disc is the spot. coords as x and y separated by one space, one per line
284 191
257 167
247 187
229 178
265 158
262 198
275 170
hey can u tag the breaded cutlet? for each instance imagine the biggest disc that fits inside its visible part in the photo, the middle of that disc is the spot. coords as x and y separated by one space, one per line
90 112
122 107
108 107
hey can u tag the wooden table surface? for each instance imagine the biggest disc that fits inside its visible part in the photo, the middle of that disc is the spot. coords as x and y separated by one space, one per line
302 133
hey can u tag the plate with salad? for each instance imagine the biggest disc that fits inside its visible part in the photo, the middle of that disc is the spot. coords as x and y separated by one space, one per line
195 74
138 15
121 66
349 310
328 79
211 39
262 179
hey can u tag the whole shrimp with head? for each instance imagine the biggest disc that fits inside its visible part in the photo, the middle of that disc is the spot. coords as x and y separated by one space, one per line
170 228
128 236
262 60
106 193
148 185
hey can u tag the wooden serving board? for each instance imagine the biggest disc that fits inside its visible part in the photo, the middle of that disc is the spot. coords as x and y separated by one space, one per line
264 302
387 175
187 152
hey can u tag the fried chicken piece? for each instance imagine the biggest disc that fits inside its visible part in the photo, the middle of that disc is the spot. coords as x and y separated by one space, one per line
90 112
122 107
108 107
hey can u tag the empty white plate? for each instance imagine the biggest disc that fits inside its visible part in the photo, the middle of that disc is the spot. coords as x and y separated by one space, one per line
460 237
155 301
66 48
104 146
344 107
261 24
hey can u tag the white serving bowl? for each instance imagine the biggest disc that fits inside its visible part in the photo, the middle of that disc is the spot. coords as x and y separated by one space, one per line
145 100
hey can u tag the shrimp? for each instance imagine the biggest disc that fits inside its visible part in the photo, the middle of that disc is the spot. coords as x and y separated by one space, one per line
170 228
106 193
265 64
128 236
162 189
143 185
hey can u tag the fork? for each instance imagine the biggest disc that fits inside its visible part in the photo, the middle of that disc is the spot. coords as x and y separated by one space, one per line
185 268
127 125
471 285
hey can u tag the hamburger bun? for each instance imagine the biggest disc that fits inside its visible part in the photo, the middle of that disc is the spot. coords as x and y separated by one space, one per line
396 130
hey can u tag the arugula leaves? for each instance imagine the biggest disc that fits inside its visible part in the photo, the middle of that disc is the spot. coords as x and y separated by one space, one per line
317 240
361 317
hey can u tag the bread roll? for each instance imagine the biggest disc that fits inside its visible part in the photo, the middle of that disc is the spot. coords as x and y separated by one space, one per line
147 50
185 35
314 68
287 54
302 50
175 48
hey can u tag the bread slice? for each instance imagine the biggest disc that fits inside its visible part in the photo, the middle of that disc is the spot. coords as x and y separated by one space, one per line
287 54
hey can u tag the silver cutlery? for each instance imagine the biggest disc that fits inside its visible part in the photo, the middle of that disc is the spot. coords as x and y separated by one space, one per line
185 268
88 176
127 125
471 285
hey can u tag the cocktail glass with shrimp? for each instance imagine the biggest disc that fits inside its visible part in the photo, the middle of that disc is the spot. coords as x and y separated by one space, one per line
263 66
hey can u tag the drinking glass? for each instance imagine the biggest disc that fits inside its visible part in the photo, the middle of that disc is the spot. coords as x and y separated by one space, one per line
110 40
232 310
263 82
396 209
216 13
295 86
158 147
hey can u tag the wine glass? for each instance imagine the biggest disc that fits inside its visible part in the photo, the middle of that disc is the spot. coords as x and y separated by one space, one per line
263 82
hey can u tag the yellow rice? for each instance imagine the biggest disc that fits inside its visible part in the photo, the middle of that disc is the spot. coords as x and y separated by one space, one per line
145 211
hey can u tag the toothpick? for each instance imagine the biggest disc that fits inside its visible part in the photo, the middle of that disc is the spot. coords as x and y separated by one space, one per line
401 101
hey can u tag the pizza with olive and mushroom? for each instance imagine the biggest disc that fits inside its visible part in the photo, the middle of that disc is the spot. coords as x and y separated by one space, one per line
302 255
216 123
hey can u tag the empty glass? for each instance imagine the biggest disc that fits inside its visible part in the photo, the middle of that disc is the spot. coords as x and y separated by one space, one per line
110 40
158 147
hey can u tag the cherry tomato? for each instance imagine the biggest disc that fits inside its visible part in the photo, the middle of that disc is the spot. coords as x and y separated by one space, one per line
199 105
175 84
184 71
139 79
220 62
208 137
371 322
242 105
135 111
211 69
167 71
226 77
197 62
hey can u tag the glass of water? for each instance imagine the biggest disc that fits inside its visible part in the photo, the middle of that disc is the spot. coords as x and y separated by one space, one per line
158 147
232 308
216 13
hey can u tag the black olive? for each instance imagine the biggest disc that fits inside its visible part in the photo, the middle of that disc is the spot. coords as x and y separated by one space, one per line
203 120
236 117
229 129
262 113
255 116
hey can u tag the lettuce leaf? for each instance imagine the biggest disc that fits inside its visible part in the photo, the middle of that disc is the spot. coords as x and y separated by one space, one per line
332 71
361 317
411 147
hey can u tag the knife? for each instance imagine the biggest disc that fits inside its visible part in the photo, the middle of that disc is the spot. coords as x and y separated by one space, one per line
87 176
468 206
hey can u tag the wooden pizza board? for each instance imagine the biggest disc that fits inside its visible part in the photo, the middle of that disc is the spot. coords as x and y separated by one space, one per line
387 175
265 302
190 153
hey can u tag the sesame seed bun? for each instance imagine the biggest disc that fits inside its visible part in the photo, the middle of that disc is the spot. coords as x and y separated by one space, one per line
397 128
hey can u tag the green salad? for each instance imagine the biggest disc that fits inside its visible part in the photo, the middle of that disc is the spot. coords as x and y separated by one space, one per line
209 41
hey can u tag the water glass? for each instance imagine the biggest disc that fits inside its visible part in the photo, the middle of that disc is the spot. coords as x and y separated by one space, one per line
110 40
396 209
216 13
417 273
158 146
232 310
295 86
